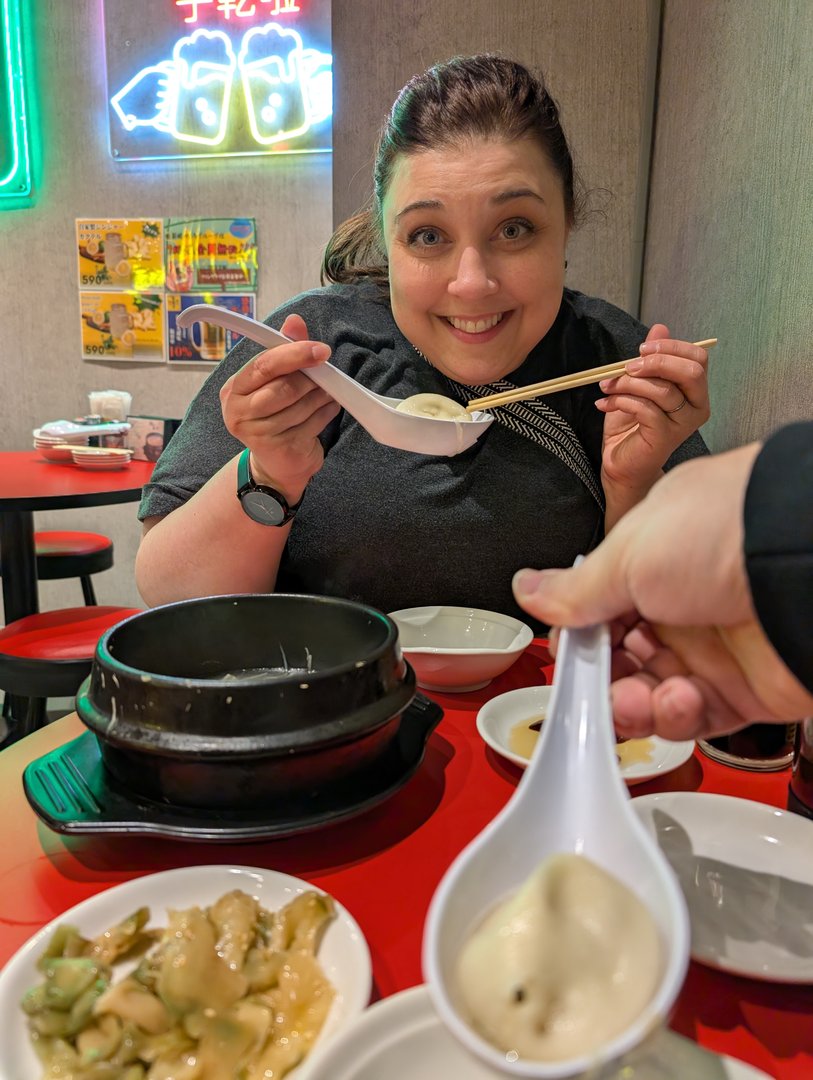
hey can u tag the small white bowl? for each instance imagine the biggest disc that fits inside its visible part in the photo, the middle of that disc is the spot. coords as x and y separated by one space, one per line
57 452
457 649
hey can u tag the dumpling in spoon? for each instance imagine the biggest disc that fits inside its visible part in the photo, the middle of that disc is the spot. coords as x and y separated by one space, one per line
435 405
564 965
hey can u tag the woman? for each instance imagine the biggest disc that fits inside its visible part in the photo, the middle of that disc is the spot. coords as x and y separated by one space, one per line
451 283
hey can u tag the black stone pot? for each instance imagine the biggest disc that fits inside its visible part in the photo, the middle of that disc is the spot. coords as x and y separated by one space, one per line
227 702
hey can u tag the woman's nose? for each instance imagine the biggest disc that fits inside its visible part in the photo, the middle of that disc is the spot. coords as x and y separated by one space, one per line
472 276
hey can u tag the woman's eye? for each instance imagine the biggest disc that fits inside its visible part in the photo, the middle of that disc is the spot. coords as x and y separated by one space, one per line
515 230
425 237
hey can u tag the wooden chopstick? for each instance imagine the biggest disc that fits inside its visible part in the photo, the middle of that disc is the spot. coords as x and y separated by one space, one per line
564 382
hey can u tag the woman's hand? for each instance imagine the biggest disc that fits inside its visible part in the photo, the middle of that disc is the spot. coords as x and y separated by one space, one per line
278 413
652 409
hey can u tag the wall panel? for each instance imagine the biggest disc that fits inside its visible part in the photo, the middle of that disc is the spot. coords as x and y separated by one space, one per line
599 61
731 214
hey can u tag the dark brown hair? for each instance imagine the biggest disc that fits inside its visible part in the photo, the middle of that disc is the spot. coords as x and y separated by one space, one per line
483 97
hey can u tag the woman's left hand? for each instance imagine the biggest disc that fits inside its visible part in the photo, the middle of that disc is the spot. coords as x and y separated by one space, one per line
652 409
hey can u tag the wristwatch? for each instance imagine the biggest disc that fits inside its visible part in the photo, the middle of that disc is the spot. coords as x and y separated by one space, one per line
263 504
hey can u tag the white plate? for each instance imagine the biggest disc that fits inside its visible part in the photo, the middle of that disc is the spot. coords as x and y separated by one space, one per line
497 717
100 466
402 1038
343 954
103 455
83 455
99 454
746 870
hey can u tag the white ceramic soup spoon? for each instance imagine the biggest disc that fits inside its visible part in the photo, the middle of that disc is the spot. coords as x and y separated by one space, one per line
570 799
376 413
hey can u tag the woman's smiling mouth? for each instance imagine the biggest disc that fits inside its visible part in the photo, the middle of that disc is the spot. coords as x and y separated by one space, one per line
478 325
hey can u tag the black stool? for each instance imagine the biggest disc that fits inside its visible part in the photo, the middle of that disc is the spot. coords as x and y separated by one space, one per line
73 554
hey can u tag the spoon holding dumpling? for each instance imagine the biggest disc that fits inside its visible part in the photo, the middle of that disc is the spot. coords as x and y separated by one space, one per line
384 418
570 801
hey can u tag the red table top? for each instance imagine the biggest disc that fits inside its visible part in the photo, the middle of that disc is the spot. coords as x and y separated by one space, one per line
385 865
29 482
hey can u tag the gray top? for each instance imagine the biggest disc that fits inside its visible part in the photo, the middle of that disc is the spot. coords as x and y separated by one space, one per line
396 529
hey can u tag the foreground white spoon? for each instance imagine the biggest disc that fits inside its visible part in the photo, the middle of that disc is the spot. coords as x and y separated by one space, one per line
571 799
376 413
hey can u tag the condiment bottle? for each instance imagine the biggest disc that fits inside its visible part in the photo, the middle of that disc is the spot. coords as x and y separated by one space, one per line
757 747
800 792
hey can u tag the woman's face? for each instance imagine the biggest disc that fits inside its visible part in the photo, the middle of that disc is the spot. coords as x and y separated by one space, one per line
476 238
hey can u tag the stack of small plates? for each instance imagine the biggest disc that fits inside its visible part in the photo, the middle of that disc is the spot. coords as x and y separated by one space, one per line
57 447
100 458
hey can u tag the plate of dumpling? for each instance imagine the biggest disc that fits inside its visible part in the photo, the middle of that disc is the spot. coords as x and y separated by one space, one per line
231 970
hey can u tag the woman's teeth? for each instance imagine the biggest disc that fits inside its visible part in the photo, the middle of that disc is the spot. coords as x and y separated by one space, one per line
471 326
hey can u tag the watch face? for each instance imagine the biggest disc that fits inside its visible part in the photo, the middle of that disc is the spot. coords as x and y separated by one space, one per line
262 507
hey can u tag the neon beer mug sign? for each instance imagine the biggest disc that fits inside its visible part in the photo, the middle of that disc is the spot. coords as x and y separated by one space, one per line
240 83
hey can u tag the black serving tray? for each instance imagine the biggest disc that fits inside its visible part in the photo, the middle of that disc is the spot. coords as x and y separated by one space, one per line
70 791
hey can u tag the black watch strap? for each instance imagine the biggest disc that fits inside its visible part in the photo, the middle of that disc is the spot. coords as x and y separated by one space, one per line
262 503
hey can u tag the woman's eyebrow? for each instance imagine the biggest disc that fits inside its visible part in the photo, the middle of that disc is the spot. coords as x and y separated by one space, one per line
516 193
421 204
498 200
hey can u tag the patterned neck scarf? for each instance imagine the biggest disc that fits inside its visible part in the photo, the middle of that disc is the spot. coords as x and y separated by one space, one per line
538 422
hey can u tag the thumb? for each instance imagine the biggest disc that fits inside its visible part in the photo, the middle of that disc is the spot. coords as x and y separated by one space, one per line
657 330
294 327
594 591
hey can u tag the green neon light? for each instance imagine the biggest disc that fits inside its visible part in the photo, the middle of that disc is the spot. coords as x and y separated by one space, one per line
15 157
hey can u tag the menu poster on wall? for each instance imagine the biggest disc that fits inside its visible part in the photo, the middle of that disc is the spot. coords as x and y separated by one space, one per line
122 326
203 342
120 253
211 255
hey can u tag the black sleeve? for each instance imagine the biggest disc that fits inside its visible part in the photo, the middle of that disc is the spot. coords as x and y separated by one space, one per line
778 518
